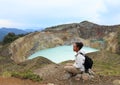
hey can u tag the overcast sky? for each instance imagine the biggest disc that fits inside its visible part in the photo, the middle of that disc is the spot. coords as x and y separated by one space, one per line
45 13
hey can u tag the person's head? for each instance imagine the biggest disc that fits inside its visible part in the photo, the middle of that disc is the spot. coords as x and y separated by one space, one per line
77 46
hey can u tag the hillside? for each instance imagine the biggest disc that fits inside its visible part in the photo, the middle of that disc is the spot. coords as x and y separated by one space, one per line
106 72
90 34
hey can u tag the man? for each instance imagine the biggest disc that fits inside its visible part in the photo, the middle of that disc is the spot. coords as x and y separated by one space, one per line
78 66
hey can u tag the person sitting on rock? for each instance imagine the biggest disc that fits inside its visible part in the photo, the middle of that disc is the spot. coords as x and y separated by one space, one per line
78 66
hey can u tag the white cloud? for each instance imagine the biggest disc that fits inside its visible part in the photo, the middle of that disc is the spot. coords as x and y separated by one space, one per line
9 23
48 8
113 2
13 24
114 20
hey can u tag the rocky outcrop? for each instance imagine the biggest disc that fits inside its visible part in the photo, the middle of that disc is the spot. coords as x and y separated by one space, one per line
65 34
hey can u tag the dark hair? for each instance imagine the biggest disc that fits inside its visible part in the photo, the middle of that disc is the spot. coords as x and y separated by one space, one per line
79 45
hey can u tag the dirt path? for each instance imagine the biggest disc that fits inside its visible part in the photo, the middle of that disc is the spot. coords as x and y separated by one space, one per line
16 81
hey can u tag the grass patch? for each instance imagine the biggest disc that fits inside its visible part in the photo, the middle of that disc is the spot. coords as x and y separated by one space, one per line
104 68
6 74
106 63
22 75
26 75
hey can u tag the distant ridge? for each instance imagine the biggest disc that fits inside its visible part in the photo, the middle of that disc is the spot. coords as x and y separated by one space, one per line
84 29
4 31
83 24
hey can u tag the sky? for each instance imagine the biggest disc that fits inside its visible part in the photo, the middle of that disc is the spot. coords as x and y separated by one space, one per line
25 14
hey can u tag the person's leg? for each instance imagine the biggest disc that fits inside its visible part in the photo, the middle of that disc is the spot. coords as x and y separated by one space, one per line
71 69
69 64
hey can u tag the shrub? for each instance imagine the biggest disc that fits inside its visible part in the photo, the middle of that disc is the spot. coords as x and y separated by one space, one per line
10 37
27 75
6 74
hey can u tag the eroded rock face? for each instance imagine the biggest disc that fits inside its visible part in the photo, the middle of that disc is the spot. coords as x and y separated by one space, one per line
118 37
111 42
23 47
20 49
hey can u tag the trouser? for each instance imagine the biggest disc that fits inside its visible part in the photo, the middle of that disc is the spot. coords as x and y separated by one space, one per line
71 69
85 76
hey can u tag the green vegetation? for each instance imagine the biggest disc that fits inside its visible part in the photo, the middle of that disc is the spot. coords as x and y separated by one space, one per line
104 68
24 70
106 63
26 75
10 37
6 74
23 75
10 69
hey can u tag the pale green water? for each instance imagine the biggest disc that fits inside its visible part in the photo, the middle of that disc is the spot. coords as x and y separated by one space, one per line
60 54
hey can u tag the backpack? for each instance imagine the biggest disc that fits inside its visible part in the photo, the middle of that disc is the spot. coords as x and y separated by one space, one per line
88 62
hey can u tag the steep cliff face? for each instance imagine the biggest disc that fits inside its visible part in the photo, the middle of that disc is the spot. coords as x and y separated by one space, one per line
23 47
85 31
111 42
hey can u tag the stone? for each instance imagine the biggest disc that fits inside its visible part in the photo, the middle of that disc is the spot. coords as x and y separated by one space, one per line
116 82
91 72
78 76
85 76
66 76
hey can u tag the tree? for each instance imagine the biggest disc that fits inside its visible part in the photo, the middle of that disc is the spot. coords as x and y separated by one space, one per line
10 37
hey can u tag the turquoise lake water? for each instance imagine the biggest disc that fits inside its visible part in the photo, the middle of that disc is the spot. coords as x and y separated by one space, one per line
60 53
